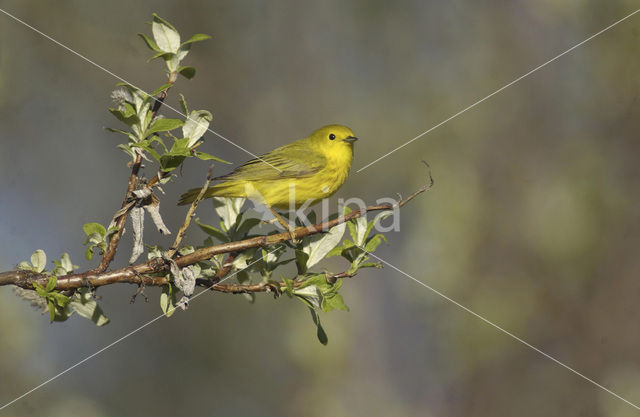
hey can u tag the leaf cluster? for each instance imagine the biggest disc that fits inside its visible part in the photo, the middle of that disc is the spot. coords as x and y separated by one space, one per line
61 306
135 108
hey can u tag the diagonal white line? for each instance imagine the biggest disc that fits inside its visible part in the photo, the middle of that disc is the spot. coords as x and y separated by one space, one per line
79 363
125 81
366 166
489 322
499 90
115 342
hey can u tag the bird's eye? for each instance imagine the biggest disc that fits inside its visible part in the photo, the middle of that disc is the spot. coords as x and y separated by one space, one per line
332 136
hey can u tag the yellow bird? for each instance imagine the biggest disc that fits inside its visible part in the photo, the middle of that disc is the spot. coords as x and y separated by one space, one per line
308 169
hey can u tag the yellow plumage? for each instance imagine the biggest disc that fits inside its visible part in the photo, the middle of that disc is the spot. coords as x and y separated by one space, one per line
312 169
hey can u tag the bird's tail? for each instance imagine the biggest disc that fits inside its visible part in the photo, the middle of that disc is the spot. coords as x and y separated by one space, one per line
223 189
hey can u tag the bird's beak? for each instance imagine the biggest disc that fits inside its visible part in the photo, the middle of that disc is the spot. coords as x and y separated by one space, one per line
350 139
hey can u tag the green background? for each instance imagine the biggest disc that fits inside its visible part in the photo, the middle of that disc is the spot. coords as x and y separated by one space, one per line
533 222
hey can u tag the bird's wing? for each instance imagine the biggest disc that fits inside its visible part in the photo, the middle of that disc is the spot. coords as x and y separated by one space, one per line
292 161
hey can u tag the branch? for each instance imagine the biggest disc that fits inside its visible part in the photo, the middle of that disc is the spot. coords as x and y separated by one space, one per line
110 253
126 206
264 286
141 273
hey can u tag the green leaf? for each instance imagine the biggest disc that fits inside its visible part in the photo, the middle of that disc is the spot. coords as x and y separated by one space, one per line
361 230
319 293
354 267
381 216
40 290
246 226
374 241
228 209
124 132
186 250
128 150
210 230
180 147
52 310
288 286
166 36
318 246
370 265
170 162
158 140
322 335
131 109
350 250
53 281
24 265
90 228
38 260
57 306
182 52
96 234
242 276
161 89
196 125
319 281
168 300
149 149
351 224
244 259
124 116
85 306
150 42
301 261
198 37
187 72
165 55
171 61
335 251
310 295
183 104
163 125
332 302
59 299
269 258
174 158
207 157
61 314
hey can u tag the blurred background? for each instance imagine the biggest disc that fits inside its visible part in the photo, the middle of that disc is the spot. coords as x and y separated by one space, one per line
532 222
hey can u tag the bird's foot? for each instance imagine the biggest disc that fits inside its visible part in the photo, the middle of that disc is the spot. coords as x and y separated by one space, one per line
292 234
284 223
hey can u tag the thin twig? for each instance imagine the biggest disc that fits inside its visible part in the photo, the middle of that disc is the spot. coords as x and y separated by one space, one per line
277 287
187 220
110 253
227 266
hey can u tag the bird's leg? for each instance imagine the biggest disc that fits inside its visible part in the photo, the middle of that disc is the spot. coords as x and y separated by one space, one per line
285 224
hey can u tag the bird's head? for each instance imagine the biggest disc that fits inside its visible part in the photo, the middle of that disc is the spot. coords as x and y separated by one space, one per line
333 139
